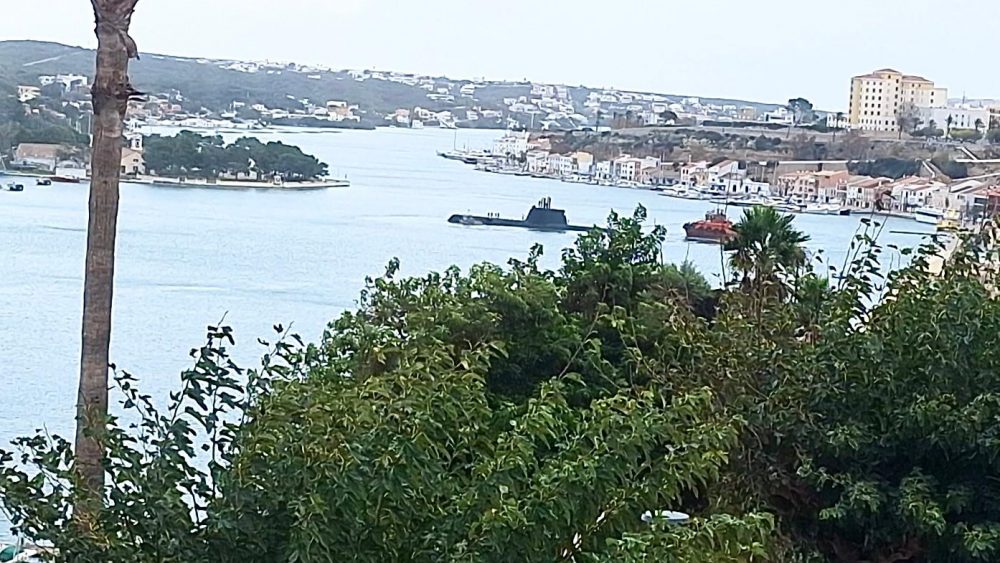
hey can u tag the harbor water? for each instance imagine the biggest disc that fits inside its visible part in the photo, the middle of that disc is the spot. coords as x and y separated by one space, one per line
188 257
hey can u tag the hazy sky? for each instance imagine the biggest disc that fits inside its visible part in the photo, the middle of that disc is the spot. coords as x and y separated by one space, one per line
765 50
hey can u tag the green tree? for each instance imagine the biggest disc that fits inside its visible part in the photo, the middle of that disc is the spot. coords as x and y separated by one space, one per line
392 441
802 110
767 251
966 135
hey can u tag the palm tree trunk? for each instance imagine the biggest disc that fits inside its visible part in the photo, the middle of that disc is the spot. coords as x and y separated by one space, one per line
110 92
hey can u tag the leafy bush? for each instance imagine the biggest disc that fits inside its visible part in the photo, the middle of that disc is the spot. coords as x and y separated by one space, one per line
885 167
521 414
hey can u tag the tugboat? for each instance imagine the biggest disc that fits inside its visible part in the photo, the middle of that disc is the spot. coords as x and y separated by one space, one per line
714 228
541 217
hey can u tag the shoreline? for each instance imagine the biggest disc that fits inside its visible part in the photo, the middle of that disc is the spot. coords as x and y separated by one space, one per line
189 183
236 184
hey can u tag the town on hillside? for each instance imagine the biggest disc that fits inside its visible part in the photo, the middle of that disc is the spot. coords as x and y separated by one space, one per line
901 145
902 148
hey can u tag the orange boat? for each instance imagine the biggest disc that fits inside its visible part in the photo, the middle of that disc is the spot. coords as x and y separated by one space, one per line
715 228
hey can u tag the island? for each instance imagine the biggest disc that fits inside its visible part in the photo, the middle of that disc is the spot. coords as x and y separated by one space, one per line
190 159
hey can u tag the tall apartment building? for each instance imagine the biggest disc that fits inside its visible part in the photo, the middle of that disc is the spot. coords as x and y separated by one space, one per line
876 98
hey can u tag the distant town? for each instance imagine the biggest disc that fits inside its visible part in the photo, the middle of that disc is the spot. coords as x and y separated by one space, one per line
899 144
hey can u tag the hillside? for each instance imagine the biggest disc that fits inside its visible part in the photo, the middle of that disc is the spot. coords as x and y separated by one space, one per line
207 83
215 84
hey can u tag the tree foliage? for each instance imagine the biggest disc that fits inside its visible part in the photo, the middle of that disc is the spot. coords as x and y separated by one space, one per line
201 156
885 167
515 413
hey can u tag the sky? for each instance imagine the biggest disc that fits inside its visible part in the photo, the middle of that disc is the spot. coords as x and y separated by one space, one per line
763 50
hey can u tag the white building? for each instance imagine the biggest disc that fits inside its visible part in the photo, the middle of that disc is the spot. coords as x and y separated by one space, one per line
833 123
627 168
513 143
780 115
961 117
603 170
537 161
878 98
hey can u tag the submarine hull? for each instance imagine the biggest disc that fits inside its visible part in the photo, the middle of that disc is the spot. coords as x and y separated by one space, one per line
479 220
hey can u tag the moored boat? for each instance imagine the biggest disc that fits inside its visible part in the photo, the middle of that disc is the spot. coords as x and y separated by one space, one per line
12 187
816 209
928 215
714 228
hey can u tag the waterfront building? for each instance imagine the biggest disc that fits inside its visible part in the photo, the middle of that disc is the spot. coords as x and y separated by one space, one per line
694 173
627 168
132 162
513 143
826 186
877 98
861 192
583 163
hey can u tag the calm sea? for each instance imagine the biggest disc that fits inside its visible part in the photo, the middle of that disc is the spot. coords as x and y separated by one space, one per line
189 257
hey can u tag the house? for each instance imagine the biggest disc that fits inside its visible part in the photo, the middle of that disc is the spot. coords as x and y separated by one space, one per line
513 144
667 173
38 155
537 161
603 170
825 186
861 192
583 163
962 197
132 163
912 192
627 169
780 116
560 165
694 173
720 169
28 93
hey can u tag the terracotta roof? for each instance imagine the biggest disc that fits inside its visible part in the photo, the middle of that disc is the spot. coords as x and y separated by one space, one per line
915 78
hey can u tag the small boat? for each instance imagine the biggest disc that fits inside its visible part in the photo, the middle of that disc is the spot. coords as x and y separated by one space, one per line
816 209
788 207
714 228
66 179
928 215
950 222
541 217
43 182
12 187
22 553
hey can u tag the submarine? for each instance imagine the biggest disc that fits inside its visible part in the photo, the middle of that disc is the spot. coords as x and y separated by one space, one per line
541 217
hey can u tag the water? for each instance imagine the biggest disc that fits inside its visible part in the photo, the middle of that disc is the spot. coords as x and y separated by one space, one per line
188 257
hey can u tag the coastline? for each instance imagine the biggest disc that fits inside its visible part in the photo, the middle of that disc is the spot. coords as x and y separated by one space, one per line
236 184
195 183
